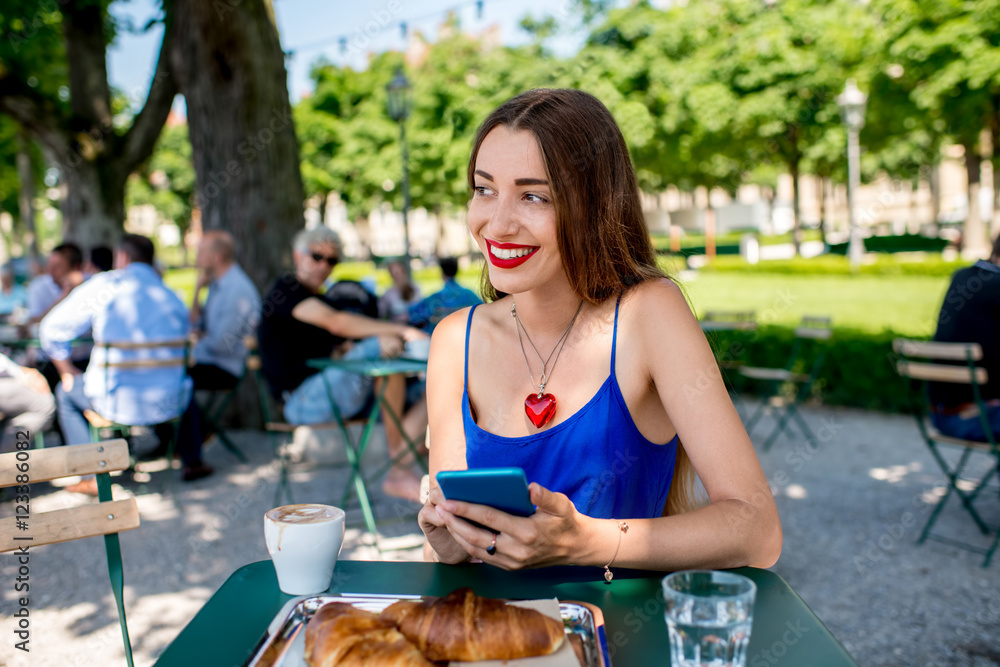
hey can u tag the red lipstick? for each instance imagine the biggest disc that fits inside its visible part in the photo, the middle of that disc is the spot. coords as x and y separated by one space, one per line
513 261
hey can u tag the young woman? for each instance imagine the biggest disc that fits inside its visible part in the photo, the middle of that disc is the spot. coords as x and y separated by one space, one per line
586 367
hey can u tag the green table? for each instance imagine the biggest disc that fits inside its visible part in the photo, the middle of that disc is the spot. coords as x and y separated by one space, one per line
785 630
375 368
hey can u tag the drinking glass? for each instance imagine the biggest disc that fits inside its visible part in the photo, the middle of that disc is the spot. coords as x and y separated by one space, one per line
709 615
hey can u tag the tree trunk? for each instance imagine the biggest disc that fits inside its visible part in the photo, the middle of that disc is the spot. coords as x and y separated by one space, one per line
230 68
793 167
324 198
973 233
93 158
94 206
26 195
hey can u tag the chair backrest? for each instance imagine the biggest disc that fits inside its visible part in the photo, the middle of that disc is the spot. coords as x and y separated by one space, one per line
107 517
718 320
43 465
929 371
184 343
815 327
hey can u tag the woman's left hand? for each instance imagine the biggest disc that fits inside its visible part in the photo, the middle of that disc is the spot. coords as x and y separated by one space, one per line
548 537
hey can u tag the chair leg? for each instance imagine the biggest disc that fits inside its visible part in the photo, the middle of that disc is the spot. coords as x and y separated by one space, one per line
755 417
113 551
211 412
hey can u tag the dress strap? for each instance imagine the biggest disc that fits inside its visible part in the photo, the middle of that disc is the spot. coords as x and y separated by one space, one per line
468 330
614 335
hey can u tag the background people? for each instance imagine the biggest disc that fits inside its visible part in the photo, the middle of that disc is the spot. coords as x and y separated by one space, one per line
970 313
299 324
230 313
26 402
428 312
396 300
130 304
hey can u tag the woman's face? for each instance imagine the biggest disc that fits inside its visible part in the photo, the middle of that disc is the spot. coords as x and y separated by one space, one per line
511 214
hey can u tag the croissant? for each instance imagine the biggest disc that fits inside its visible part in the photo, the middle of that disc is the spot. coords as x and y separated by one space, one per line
340 635
464 627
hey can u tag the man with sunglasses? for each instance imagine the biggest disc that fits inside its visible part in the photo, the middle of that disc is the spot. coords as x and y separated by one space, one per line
300 323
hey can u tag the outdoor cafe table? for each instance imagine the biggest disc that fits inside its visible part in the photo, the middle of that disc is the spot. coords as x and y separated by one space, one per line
785 631
375 368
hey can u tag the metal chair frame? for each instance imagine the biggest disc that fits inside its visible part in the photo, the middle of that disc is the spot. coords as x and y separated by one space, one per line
920 373
98 423
786 388
108 517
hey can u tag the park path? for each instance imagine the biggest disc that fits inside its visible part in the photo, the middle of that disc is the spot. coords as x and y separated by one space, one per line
851 508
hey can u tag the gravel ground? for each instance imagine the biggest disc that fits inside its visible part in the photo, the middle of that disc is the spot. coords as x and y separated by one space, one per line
852 510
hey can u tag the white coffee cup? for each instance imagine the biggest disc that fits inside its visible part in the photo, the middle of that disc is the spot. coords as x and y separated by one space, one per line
304 542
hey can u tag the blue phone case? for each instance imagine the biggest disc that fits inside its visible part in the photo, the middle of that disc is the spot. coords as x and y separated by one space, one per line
503 488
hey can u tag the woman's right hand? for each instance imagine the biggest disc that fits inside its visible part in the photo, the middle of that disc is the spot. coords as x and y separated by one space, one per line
438 537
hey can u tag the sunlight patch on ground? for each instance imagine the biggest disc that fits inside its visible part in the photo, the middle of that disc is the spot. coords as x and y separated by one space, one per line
933 496
894 474
156 507
796 491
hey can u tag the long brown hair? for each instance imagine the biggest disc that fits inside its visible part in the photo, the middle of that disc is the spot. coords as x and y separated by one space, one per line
601 231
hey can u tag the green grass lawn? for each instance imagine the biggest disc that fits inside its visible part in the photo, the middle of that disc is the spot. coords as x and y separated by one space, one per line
906 304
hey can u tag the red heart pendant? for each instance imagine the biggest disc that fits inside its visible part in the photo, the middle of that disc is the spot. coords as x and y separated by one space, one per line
540 409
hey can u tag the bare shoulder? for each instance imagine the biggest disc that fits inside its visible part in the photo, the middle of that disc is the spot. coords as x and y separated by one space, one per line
655 299
451 329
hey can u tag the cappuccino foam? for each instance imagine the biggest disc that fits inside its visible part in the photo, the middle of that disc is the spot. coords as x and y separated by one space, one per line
305 513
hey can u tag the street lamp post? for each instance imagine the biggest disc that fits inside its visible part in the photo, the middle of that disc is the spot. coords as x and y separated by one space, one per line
399 110
852 112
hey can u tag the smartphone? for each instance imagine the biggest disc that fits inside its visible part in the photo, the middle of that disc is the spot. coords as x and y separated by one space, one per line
503 488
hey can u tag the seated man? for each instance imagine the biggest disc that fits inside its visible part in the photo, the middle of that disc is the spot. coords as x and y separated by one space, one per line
970 314
130 304
231 312
428 312
64 272
25 401
300 324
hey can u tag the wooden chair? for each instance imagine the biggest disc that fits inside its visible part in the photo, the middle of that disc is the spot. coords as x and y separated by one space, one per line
784 389
728 320
107 517
100 423
929 369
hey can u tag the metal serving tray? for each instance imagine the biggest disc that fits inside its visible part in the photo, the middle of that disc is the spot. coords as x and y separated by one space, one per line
283 645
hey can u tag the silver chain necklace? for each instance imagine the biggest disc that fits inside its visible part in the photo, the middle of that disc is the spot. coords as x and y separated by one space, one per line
556 350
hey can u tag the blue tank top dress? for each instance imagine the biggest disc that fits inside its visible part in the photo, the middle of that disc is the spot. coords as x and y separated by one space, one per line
597 457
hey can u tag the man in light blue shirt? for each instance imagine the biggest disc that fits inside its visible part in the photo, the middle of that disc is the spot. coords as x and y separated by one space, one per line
427 313
130 304
231 313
